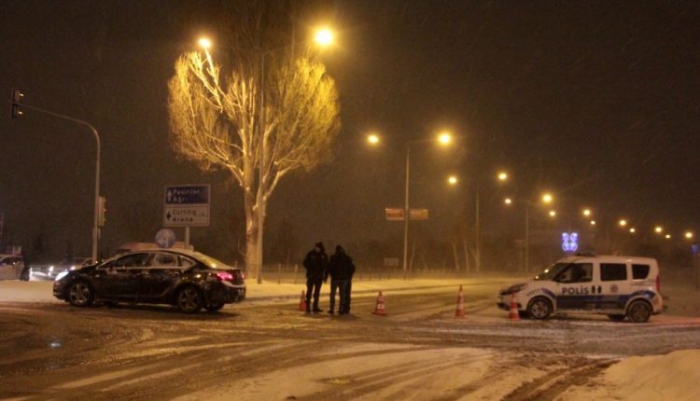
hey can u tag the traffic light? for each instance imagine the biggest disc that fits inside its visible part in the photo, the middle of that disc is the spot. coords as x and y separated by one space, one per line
16 100
101 211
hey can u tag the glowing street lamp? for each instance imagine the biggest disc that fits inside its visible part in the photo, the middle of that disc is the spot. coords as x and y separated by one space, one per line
324 37
205 43
547 198
452 180
587 212
502 176
658 229
633 230
592 222
622 222
508 201
689 235
373 139
445 138
552 213
668 236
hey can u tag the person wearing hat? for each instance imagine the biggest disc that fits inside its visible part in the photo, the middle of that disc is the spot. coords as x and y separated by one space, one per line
315 264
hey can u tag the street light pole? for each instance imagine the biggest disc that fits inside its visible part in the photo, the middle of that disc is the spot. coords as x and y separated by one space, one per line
406 214
477 254
527 237
96 214
261 172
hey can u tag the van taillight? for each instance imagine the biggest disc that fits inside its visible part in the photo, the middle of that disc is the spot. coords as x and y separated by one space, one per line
658 284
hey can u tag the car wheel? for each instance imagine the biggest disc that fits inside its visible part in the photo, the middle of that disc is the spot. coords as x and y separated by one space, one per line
539 308
639 311
80 294
214 307
189 299
617 318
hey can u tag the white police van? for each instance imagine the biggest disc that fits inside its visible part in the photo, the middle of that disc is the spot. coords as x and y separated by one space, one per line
617 286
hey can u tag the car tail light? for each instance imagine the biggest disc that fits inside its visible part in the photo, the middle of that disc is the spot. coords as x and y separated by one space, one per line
658 283
224 276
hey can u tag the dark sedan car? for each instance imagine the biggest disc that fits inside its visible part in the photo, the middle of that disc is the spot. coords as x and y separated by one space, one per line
186 279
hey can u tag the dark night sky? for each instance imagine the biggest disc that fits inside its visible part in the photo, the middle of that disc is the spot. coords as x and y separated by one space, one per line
596 101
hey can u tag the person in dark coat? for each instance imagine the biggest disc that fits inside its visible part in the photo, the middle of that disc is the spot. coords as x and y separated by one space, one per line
315 263
341 269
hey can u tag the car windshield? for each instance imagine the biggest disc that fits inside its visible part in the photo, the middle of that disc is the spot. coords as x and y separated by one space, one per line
552 271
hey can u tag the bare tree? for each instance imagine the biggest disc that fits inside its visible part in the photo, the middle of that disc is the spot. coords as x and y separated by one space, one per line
213 123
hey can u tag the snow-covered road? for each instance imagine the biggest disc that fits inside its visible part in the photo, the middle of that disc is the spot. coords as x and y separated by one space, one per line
266 350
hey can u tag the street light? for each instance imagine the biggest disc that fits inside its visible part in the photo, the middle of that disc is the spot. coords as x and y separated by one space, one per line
373 139
501 176
444 139
546 199
323 37
205 43
96 212
452 180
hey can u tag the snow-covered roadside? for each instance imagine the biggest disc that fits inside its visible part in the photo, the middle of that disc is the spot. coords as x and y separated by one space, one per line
674 376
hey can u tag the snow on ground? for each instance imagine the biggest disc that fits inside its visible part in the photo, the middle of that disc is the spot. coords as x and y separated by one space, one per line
675 376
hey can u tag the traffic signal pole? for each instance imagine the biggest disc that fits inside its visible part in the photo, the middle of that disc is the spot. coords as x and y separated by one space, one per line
96 215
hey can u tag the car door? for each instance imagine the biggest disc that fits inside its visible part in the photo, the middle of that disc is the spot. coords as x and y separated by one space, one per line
11 267
574 287
162 274
6 269
613 286
120 279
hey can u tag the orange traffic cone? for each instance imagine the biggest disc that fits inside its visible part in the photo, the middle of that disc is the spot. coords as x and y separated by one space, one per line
460 305
302 302
379 309
513 313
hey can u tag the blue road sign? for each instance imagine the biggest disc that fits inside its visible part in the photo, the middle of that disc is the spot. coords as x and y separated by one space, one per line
187 194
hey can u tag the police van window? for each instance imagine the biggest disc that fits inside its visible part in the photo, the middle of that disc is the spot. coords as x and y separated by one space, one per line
640 272
576 273
613 271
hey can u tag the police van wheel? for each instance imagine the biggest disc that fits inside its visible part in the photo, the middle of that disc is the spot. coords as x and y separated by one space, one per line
639 312
539 308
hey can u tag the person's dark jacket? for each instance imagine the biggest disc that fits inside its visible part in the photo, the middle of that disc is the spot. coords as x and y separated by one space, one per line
315 263
340 266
